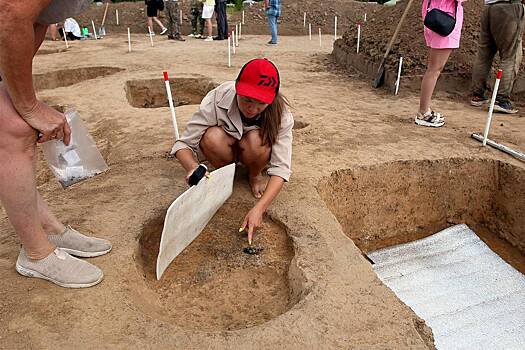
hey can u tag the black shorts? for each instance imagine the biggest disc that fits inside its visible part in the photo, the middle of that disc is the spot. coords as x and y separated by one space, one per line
152 9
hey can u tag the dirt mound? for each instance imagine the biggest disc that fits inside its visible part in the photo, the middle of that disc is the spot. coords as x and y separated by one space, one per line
410 44
320 14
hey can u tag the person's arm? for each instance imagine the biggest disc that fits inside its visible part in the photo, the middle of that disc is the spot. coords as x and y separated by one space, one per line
254 217
20 38
279 172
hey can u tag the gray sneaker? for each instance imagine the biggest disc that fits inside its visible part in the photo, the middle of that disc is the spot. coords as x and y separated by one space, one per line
75 243
60 268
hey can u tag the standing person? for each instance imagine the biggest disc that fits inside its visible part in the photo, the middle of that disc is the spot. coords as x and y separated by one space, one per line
273 11
246 120
172 13
207 13
152 10
222 20
502 25
440 48
24 122
197 23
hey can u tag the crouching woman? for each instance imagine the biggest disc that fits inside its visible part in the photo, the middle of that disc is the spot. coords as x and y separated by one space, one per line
244 121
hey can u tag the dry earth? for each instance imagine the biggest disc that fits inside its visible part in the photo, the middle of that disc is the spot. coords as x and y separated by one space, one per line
363 173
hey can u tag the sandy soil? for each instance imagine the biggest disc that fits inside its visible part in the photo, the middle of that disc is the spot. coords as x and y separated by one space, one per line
310 287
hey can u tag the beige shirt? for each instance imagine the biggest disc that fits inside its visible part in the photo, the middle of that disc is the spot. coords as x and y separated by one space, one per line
59 10
219 108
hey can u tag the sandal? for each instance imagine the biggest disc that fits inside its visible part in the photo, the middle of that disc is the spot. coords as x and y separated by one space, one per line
431 119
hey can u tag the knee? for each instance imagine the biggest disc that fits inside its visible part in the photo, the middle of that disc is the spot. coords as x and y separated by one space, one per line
212 138
252 143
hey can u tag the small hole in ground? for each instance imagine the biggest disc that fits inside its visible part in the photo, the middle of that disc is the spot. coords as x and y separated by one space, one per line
213 284
151 93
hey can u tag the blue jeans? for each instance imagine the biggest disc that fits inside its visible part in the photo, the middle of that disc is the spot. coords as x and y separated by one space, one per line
272 22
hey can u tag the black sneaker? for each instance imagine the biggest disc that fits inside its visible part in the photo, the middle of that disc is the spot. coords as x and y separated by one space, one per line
218 38
505 107
478 101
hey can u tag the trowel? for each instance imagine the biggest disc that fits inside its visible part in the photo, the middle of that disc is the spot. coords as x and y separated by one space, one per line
189 214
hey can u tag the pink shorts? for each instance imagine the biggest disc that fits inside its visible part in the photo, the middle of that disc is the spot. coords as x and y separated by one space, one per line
435 40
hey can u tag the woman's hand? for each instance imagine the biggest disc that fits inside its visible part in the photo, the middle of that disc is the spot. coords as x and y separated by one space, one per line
252 220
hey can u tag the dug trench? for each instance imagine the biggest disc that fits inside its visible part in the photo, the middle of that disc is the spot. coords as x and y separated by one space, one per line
151 93
67 77
393 203
214 285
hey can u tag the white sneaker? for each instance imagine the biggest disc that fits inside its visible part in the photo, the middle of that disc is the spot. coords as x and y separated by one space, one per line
163 31
75 243
191 35
60 268
152 34
209 38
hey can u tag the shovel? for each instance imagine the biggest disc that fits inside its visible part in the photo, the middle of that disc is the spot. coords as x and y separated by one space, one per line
380 77
102 30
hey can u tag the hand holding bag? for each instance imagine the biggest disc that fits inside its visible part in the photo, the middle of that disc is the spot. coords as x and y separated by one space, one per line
439 21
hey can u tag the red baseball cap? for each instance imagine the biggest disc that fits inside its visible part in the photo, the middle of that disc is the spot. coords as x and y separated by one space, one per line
258 79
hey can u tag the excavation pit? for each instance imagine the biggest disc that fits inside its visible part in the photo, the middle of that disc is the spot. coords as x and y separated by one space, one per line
151 93
213 285
393 203
67 77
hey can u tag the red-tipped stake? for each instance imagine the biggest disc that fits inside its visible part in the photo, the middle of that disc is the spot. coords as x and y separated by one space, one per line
170 101
320 41
491 108
310 30
304 20
116 15
399 75
233 41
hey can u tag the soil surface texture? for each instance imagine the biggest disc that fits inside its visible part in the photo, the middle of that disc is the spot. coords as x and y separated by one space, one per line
364 176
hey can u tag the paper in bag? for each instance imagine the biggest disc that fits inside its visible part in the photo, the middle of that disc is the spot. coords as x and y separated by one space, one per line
79 160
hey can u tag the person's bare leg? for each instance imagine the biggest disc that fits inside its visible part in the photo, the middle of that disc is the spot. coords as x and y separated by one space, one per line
209 26
437 58
150 24
218 146
159 23
255 156
50 224
18 191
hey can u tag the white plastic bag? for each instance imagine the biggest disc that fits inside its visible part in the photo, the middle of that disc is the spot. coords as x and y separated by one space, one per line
77 161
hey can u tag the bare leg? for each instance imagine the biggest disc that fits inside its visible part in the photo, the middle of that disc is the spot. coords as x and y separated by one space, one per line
255 156
50 223
159 23
437 58
218 146
209 26
17 179
150 23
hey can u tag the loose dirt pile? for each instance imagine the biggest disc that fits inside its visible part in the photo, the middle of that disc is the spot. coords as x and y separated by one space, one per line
319 14
410 43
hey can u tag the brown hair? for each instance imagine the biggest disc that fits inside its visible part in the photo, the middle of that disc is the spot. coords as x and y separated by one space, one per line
271 119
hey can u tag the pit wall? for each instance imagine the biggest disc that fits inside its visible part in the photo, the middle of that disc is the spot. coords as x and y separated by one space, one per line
399 202
447 81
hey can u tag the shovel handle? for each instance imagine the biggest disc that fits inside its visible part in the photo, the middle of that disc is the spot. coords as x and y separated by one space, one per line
398 28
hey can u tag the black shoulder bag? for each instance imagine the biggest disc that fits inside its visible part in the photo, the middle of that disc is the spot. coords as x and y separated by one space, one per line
439 21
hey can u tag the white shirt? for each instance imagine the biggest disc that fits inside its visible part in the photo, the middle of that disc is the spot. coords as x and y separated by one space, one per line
71 26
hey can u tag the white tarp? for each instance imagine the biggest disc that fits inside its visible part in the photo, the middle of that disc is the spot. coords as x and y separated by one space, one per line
467 294
190 212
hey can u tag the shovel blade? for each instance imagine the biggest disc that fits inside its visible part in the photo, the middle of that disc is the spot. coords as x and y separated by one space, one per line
380 76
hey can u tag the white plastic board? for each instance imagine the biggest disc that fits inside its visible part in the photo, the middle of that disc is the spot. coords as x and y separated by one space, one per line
467 294
189 214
